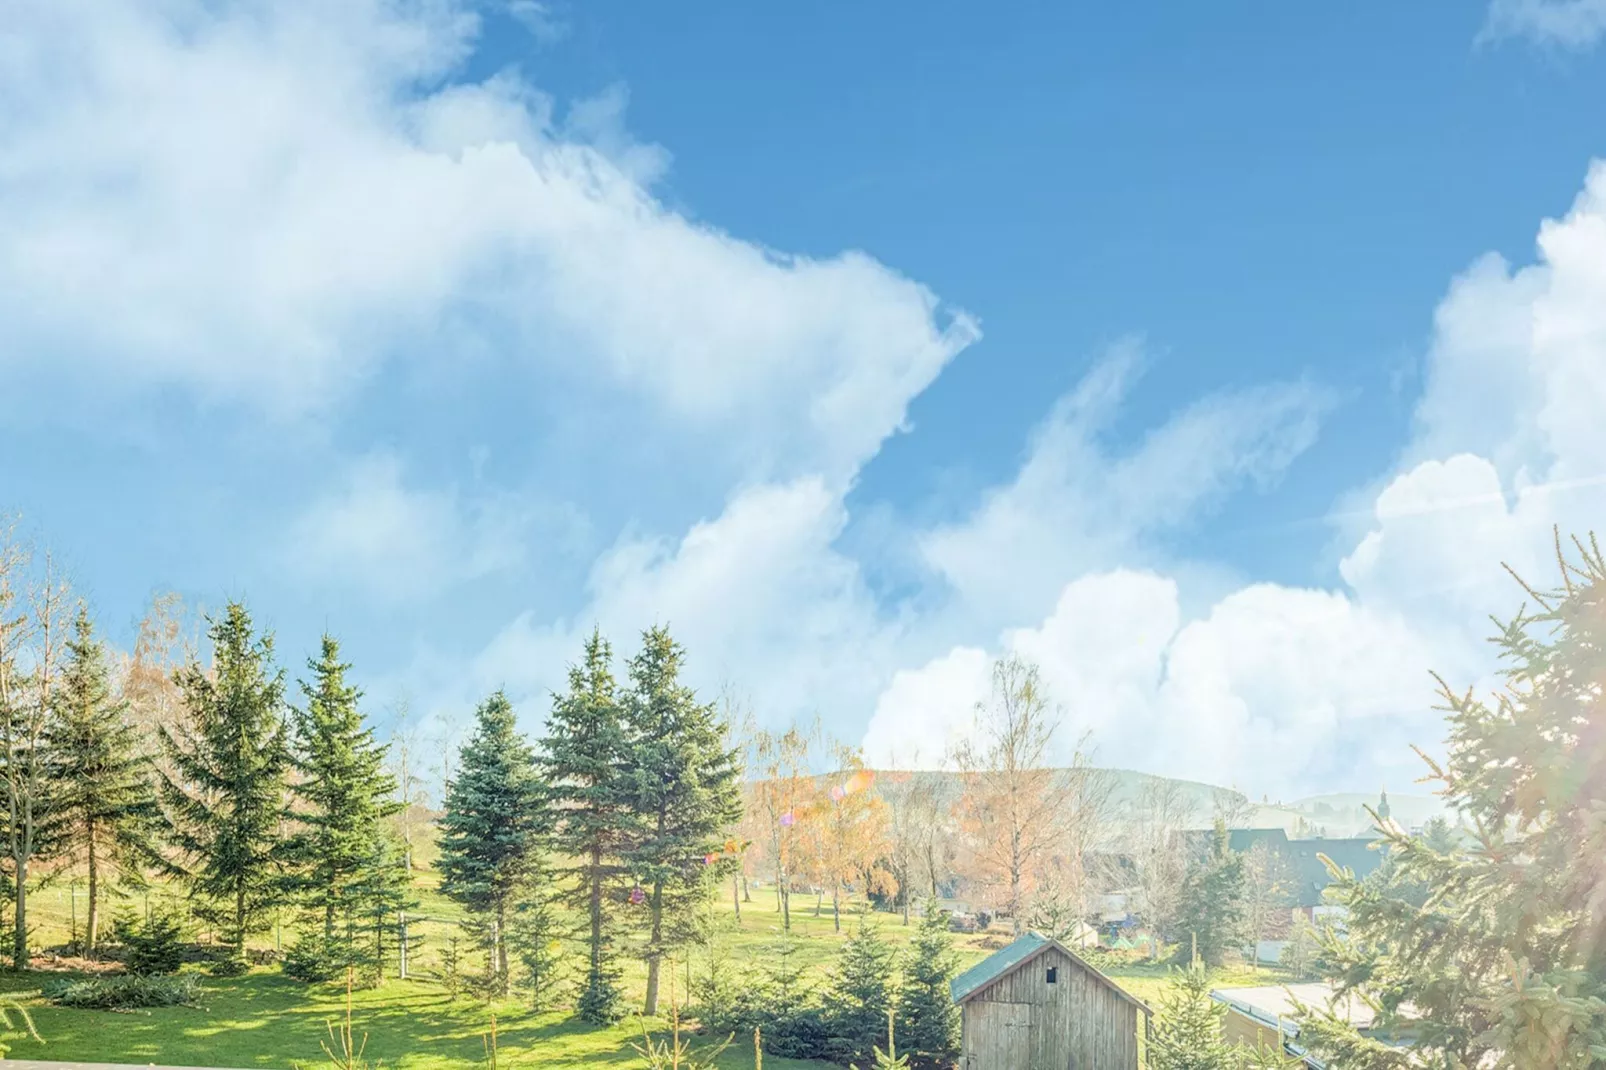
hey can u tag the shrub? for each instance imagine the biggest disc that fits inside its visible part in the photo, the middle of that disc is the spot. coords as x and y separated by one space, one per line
984 920
316 957
231 966
798 1033
155 946
121 992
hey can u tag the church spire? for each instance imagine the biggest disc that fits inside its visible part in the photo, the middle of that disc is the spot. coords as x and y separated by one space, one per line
1383 805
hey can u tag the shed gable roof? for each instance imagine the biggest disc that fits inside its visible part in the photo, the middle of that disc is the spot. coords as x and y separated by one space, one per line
1023 950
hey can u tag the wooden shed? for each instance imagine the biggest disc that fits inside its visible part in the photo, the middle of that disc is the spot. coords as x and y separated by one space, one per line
1036 1005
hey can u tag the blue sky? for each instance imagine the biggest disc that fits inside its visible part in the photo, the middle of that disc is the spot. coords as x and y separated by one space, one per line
860 343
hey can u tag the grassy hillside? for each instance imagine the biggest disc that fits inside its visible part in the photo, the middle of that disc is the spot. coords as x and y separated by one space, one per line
266 1020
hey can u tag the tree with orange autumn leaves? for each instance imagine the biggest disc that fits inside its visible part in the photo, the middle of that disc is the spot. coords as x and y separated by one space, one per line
851 822
777 802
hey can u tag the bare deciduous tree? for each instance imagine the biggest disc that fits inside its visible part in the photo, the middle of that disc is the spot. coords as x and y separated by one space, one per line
1013 805
1232 808
1269 885
914 826
33 634
1162 812
404 763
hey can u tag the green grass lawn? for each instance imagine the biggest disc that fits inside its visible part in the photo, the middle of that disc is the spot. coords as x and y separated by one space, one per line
267 1020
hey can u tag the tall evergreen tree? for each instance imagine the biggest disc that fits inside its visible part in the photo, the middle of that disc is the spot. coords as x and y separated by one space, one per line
1503 961
344 794
225 792
860 996
1210 909
346 870
492 831
584 756
107 809
928 1020
684 788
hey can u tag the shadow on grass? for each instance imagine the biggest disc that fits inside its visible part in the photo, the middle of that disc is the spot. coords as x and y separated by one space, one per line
268 1020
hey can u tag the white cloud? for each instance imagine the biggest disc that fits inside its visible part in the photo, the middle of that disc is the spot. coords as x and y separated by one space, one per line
1570 23
394 543
1281 688
1272 687
1075 507
265 201
757 595
767 601
544 24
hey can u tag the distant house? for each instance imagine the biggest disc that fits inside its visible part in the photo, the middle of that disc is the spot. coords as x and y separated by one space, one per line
1309 874
1037 1005
1262 1016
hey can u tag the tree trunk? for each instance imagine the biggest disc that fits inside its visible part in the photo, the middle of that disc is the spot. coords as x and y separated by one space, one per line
1015 882
19 941
239 921
736 895
500 946
747 891
654 952
92 921
595 877
836 907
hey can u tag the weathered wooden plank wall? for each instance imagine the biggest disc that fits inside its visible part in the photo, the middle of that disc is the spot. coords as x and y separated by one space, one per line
1077 1023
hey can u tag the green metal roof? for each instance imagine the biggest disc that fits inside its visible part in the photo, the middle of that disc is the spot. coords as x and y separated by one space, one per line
1024 948
996 965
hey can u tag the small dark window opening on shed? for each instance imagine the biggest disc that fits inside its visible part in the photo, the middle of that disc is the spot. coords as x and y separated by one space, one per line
1053 975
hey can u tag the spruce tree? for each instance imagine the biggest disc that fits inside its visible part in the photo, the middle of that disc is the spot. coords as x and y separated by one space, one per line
928 1020
1188 1026
889 1059
861 995
345 870
1503 961
535 935
107 809
685 792
492 831
225 791
1210 909
584 758
383 892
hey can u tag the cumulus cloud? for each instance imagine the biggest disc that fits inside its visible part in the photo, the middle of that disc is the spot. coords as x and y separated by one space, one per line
1076 506
1273 684
1282 688
1570 23
263 202
758 595
768 602
375 534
